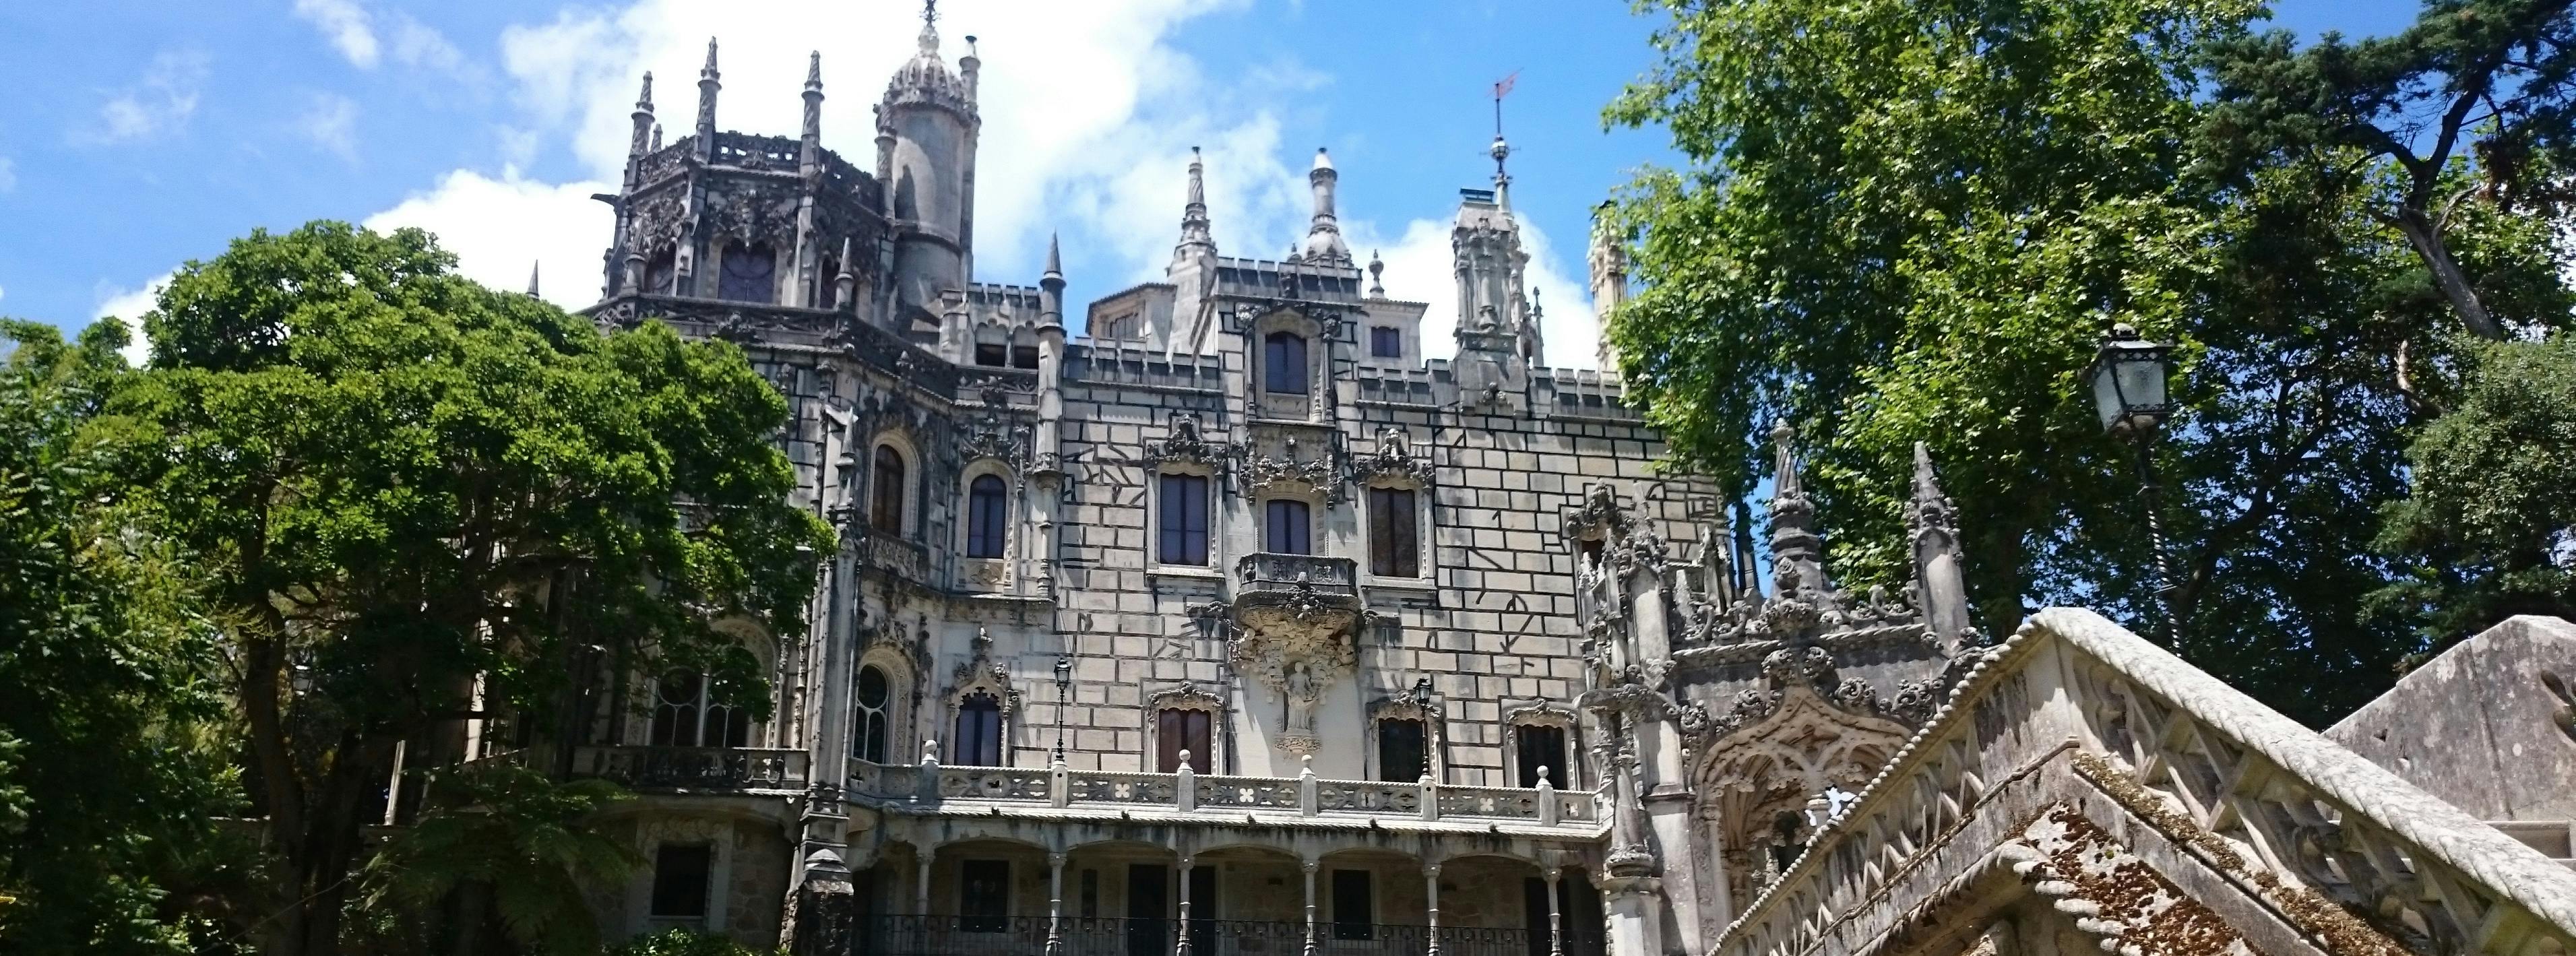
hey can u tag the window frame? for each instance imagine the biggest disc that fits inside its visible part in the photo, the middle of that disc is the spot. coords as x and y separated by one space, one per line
1283 371
888 497
1377 504
662 889
1353 886
1164 500
728 280
702 715
1380 336
864 716
983 746
1421 748
1287 526
987 535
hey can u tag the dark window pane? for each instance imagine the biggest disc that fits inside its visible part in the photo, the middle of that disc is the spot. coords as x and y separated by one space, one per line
1386 341
1287 528
885 492
872 729
1395 541
680 879
1184 521
747 274
658 273
984 518
1351 905
984 895
1024 356
979 732
1283 366
675 709
1399 750
1543 747
993 354
1176 731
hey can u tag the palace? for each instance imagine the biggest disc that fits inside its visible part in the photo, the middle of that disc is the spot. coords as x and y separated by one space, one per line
1234 625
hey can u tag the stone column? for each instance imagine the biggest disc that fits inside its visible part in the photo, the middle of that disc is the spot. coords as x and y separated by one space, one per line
921 883
1556 912
1181 947
1055 904
1431 908
1309 867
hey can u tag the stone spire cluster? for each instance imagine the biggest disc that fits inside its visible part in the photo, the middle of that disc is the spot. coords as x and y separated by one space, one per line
1324 244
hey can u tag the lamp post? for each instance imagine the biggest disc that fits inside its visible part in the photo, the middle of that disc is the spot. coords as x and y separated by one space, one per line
2128 378
1063 686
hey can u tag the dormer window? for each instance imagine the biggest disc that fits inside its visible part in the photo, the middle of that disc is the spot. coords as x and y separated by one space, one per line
1386 341
1283 363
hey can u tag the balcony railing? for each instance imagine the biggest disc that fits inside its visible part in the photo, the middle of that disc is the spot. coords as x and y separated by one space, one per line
1265 571
694 768
1218 795
905 935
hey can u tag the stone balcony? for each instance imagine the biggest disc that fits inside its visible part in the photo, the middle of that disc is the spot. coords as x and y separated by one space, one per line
714 769
1218 799
1301 592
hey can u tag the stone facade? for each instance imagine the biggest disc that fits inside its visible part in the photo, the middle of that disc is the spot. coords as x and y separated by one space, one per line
1233 624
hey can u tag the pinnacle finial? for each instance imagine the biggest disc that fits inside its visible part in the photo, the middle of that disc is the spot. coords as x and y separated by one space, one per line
532 278
929 29
845 256
1784 472
644 100
814 70
1377 276
709 71
1055 258
1927 486
1195 230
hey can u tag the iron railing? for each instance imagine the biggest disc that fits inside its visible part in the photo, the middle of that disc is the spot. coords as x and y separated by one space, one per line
912 935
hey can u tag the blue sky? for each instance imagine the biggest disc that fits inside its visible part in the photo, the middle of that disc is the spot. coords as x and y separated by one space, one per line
137 134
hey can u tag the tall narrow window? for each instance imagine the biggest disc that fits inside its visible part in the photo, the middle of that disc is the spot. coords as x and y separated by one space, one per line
1542 747
658 273
1399 750
979 732
680 879
1177 730
872 729
984 521
1395 541
1352 905
827 292
1386 341
1287 528
748 274
1283 363
685 714
1184 521
984 895
885 492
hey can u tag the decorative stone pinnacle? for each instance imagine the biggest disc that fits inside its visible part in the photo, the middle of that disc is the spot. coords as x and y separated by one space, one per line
644 100
708 72
814 72
929 31
1784 472
1055 259
1377 276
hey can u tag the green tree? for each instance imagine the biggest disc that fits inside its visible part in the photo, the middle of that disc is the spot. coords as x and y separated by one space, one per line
503 840
106 778
403 484
2490 529
2491 78
1906 221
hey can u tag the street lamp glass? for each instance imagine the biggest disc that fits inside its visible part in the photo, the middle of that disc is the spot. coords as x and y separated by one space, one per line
2129 381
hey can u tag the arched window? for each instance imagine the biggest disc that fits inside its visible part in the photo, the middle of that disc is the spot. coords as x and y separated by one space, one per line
871 732
984 521
1283 363
1287 527
979 732
885 492
748 274
685 714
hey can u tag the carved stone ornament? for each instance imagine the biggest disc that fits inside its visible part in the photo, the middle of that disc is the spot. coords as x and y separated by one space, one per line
1300 665
1186 695
989 439
980 674
1184 445
1394 459
1261 472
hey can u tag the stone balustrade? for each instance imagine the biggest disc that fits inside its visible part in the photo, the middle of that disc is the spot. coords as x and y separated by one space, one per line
1305 795
694 768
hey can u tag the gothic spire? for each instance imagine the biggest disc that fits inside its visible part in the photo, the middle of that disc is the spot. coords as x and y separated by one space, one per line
1939 564
813 130
1055 260
707 87
1051 287
1195 234
643 117
532 278
1377 276
1324 244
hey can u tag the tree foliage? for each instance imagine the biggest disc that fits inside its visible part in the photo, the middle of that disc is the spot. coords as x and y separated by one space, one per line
401 484
1905 221
108 770
503 841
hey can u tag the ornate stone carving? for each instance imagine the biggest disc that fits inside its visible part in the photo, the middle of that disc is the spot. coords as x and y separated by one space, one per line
1393 459
1184 445
1261 472
1300 665
988 439
1186 695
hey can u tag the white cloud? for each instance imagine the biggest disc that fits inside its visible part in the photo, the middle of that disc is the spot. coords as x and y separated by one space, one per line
498 228
162 101
346 25
330 121
130 305
8 174
354 31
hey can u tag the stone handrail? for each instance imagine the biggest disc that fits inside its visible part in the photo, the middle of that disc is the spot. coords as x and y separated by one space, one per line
1188 791
2314 832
